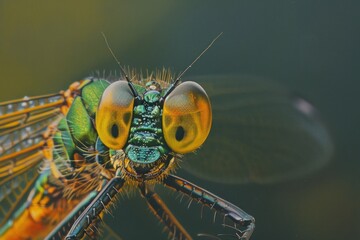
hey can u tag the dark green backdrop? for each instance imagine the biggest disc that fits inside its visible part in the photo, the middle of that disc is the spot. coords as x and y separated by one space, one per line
310 46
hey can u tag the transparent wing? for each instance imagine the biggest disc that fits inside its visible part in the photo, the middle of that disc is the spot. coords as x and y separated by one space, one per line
260 133
13 189
23 123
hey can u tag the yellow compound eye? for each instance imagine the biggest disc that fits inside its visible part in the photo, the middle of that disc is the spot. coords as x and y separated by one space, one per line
186 117
114 115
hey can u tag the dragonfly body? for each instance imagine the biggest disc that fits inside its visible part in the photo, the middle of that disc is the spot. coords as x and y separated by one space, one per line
98 138
107 135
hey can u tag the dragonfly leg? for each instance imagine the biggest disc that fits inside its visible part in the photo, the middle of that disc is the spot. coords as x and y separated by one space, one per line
159 208
95 208
64 226
229 210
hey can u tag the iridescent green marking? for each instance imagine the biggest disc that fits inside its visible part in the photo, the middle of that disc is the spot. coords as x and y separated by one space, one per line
81 125
146 143
66 138
91 94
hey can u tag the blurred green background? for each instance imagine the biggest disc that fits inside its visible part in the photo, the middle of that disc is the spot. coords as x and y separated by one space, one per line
309 46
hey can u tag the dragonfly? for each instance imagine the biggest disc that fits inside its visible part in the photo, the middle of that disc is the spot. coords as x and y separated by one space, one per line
66 157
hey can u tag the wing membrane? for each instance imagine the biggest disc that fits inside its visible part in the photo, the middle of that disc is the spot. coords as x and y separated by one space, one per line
13 189
260 133
21 119
23 124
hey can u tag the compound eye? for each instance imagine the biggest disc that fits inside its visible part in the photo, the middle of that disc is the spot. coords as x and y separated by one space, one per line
186 117
114 115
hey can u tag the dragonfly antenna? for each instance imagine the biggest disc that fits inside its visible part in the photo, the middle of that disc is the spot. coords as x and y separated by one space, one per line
174 84
121 68
198 57
117 61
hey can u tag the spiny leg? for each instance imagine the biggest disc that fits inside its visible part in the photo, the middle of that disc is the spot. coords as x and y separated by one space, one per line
160 209
64 226
95 208
230 211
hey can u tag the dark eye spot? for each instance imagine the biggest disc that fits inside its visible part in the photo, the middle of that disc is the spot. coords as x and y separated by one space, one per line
115 131
180 133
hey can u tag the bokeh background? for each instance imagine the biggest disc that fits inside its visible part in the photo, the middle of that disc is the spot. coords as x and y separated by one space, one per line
309 46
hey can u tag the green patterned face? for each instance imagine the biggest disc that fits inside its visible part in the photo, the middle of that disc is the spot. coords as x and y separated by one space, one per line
149 129
146 143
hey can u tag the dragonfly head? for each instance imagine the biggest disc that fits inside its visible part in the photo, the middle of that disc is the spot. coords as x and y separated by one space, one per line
151 129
